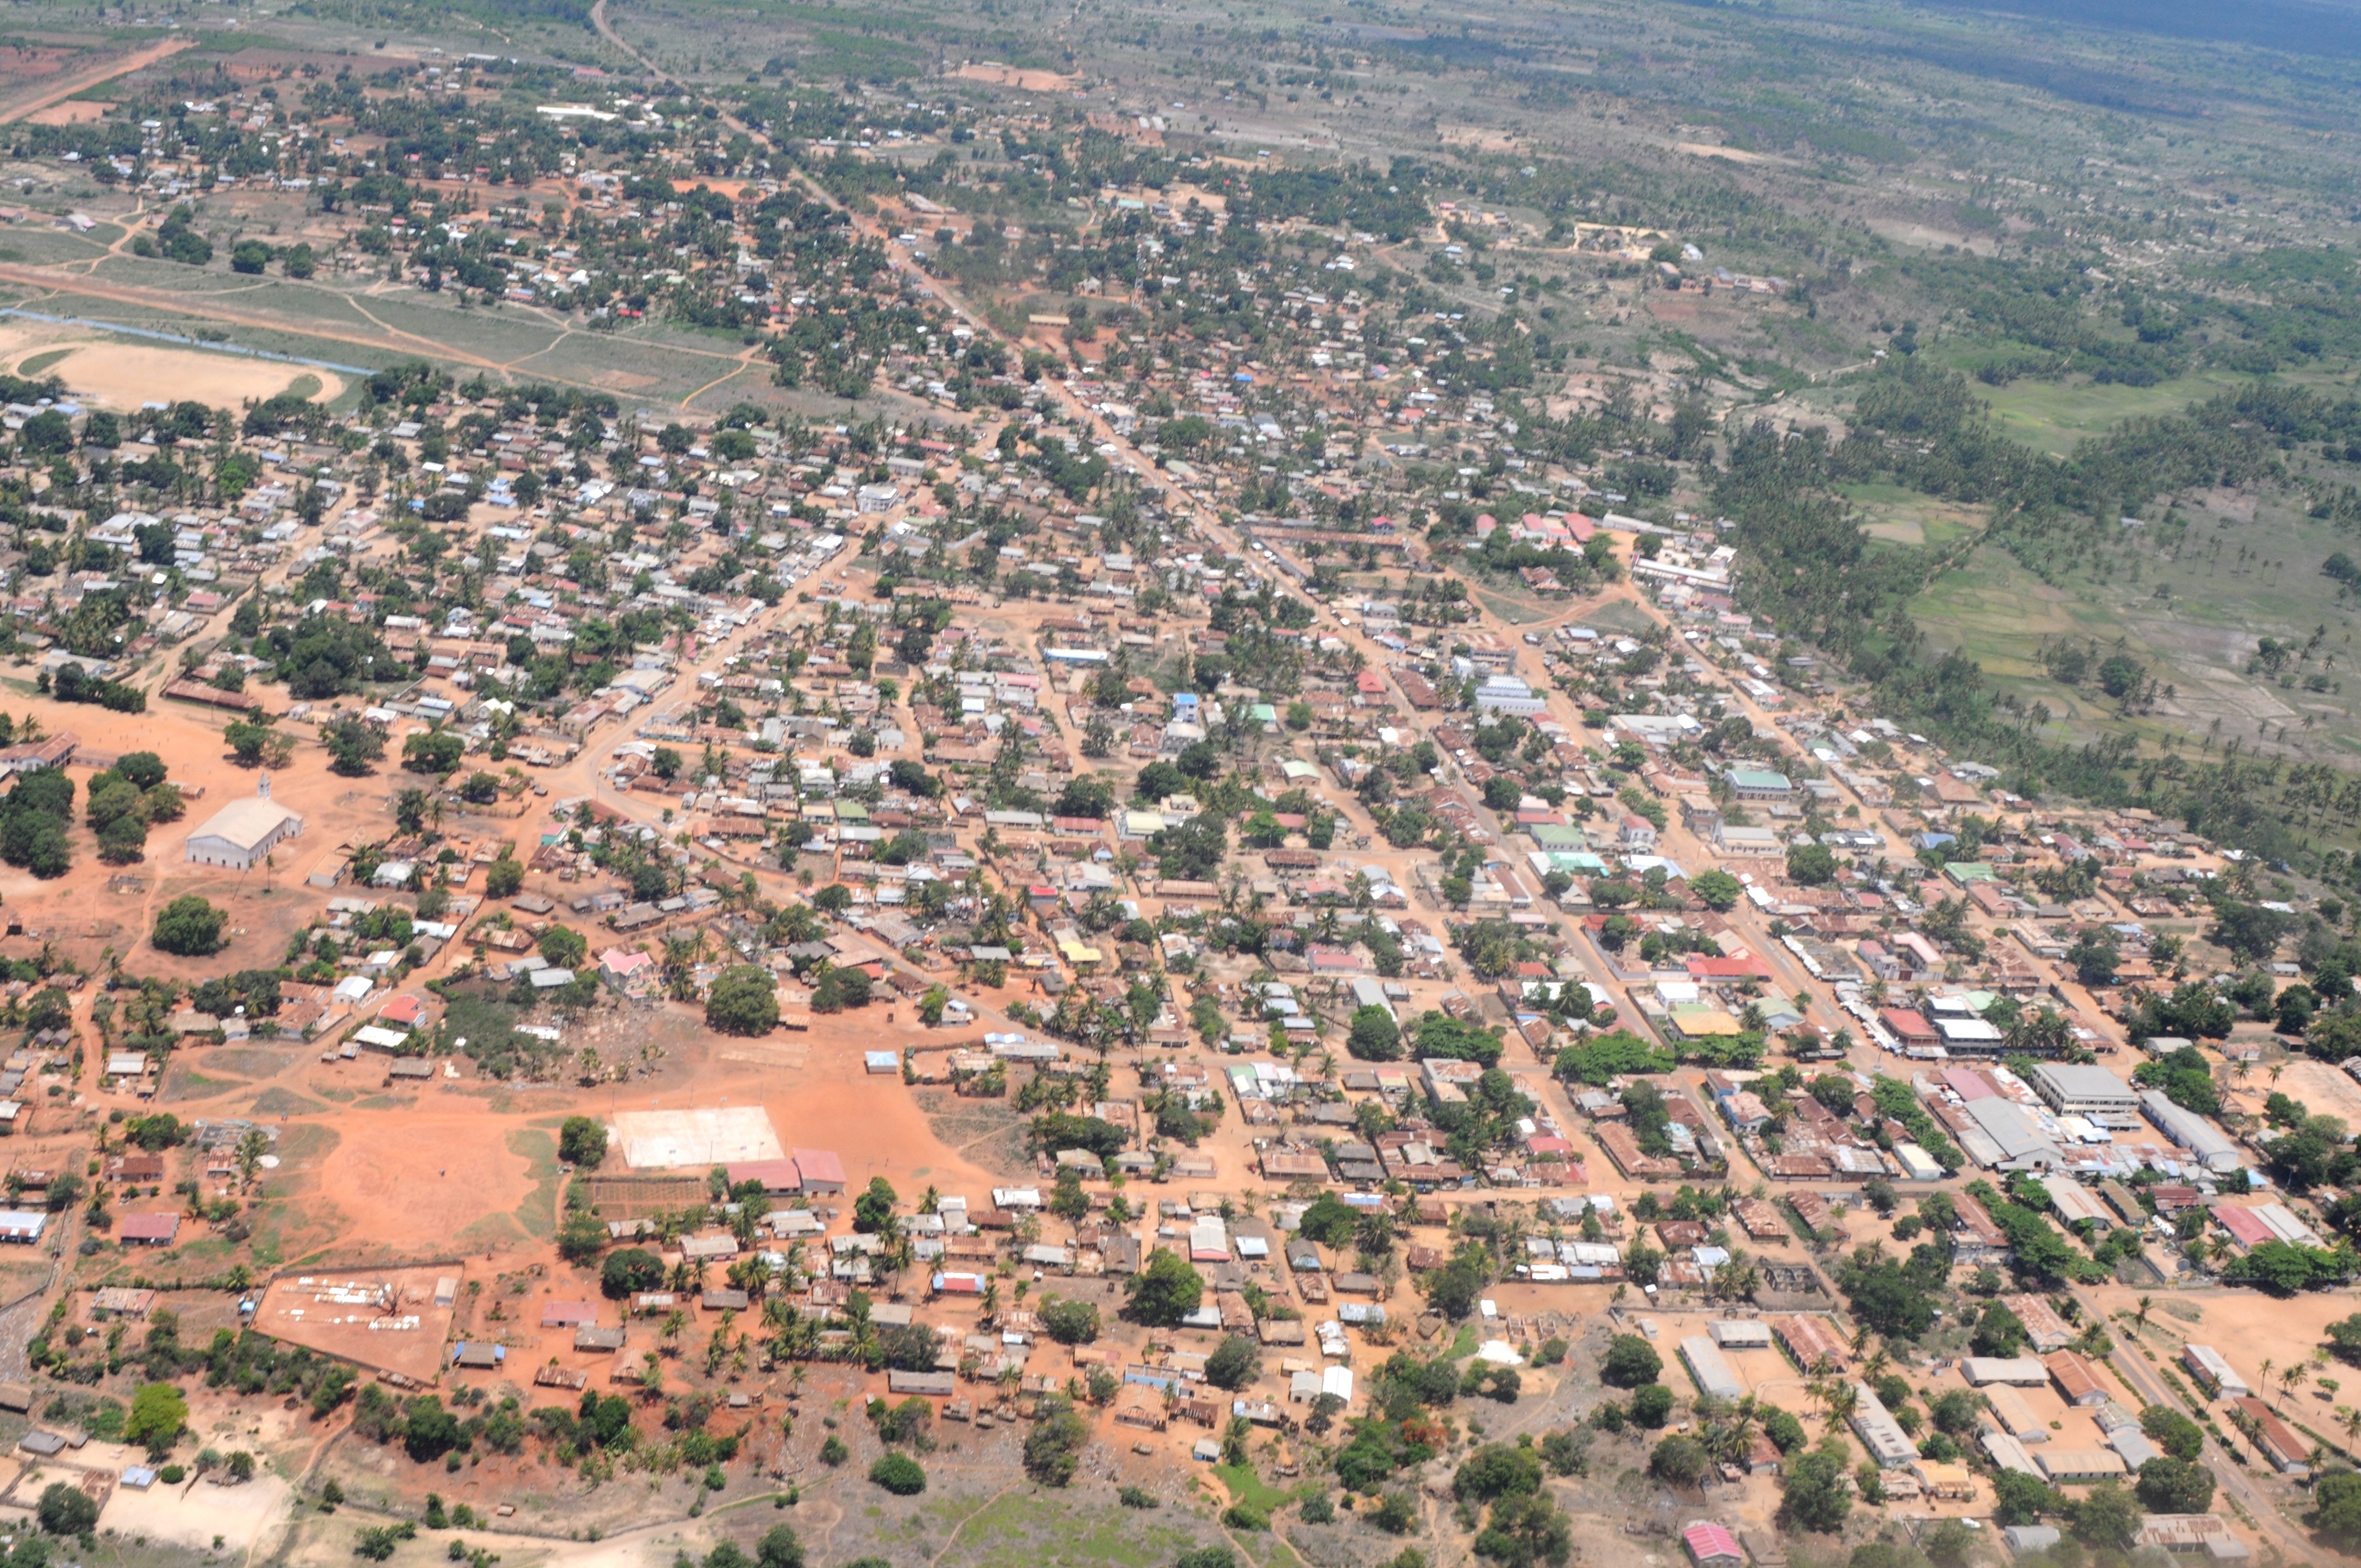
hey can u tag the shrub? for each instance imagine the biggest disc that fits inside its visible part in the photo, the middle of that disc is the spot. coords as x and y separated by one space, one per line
1234 1364
66 1510
582 1141
1679 1461
630 1271
742 1000
898 1474
189 927
1630 1363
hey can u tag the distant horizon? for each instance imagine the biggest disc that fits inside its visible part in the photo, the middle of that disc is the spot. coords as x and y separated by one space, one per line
2295 27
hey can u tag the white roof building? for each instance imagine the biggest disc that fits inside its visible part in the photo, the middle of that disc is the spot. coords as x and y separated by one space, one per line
242 832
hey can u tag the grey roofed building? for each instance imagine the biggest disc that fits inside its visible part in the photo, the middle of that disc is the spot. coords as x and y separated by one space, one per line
929 1383
2012 1135
2204 1143
1887 1444
2091 1091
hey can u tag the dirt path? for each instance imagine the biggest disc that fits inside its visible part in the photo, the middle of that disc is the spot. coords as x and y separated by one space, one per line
38 98
2128 1365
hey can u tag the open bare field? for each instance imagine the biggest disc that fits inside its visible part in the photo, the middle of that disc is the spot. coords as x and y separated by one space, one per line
385 1319
115 373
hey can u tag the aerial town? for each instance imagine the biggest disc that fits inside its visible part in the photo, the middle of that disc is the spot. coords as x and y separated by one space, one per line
952 821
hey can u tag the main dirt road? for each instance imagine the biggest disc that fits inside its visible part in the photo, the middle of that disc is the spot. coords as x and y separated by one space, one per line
36 96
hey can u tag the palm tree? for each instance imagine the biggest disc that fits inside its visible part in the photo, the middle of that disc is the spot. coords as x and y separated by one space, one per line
2267 1371
2294 1377
2350 1419
675 1321
2140 1318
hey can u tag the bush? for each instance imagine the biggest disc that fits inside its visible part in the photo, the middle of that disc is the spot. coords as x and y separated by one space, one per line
742 1000
582 1141
1679 1461
833 1453
1069 1322
898 1474
1630 1363
66 1510
1234 1364
1247 1515
1652 1407
1785 1432
631 1271
1497 1470
189 927
1054 1447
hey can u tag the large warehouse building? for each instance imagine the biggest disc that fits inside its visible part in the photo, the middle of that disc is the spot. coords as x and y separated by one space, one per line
242 832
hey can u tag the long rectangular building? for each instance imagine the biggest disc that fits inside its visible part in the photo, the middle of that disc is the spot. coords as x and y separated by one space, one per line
1879 1433
1811 1340
1711 1369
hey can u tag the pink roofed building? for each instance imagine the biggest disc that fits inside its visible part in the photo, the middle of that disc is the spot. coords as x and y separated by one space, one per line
1712 1546
820 1170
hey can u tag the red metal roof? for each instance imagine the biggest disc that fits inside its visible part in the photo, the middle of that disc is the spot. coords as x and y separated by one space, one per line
819 1164
148 1227
1711 1543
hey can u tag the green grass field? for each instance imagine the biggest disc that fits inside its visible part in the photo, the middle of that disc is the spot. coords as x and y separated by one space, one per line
2052 416
1899 516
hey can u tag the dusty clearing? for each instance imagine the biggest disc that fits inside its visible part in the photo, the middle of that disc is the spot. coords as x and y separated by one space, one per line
385 1319
2326 1091
124 376
72 112
1011 76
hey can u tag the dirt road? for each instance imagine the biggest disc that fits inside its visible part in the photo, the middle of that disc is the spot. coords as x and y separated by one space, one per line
40 95
2129 1365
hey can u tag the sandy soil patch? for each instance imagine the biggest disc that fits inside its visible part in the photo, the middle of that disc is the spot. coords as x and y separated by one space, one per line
1001 75
2325 1089
72 112
195 1516
1735 154
124 376
2245 1326
416 1185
